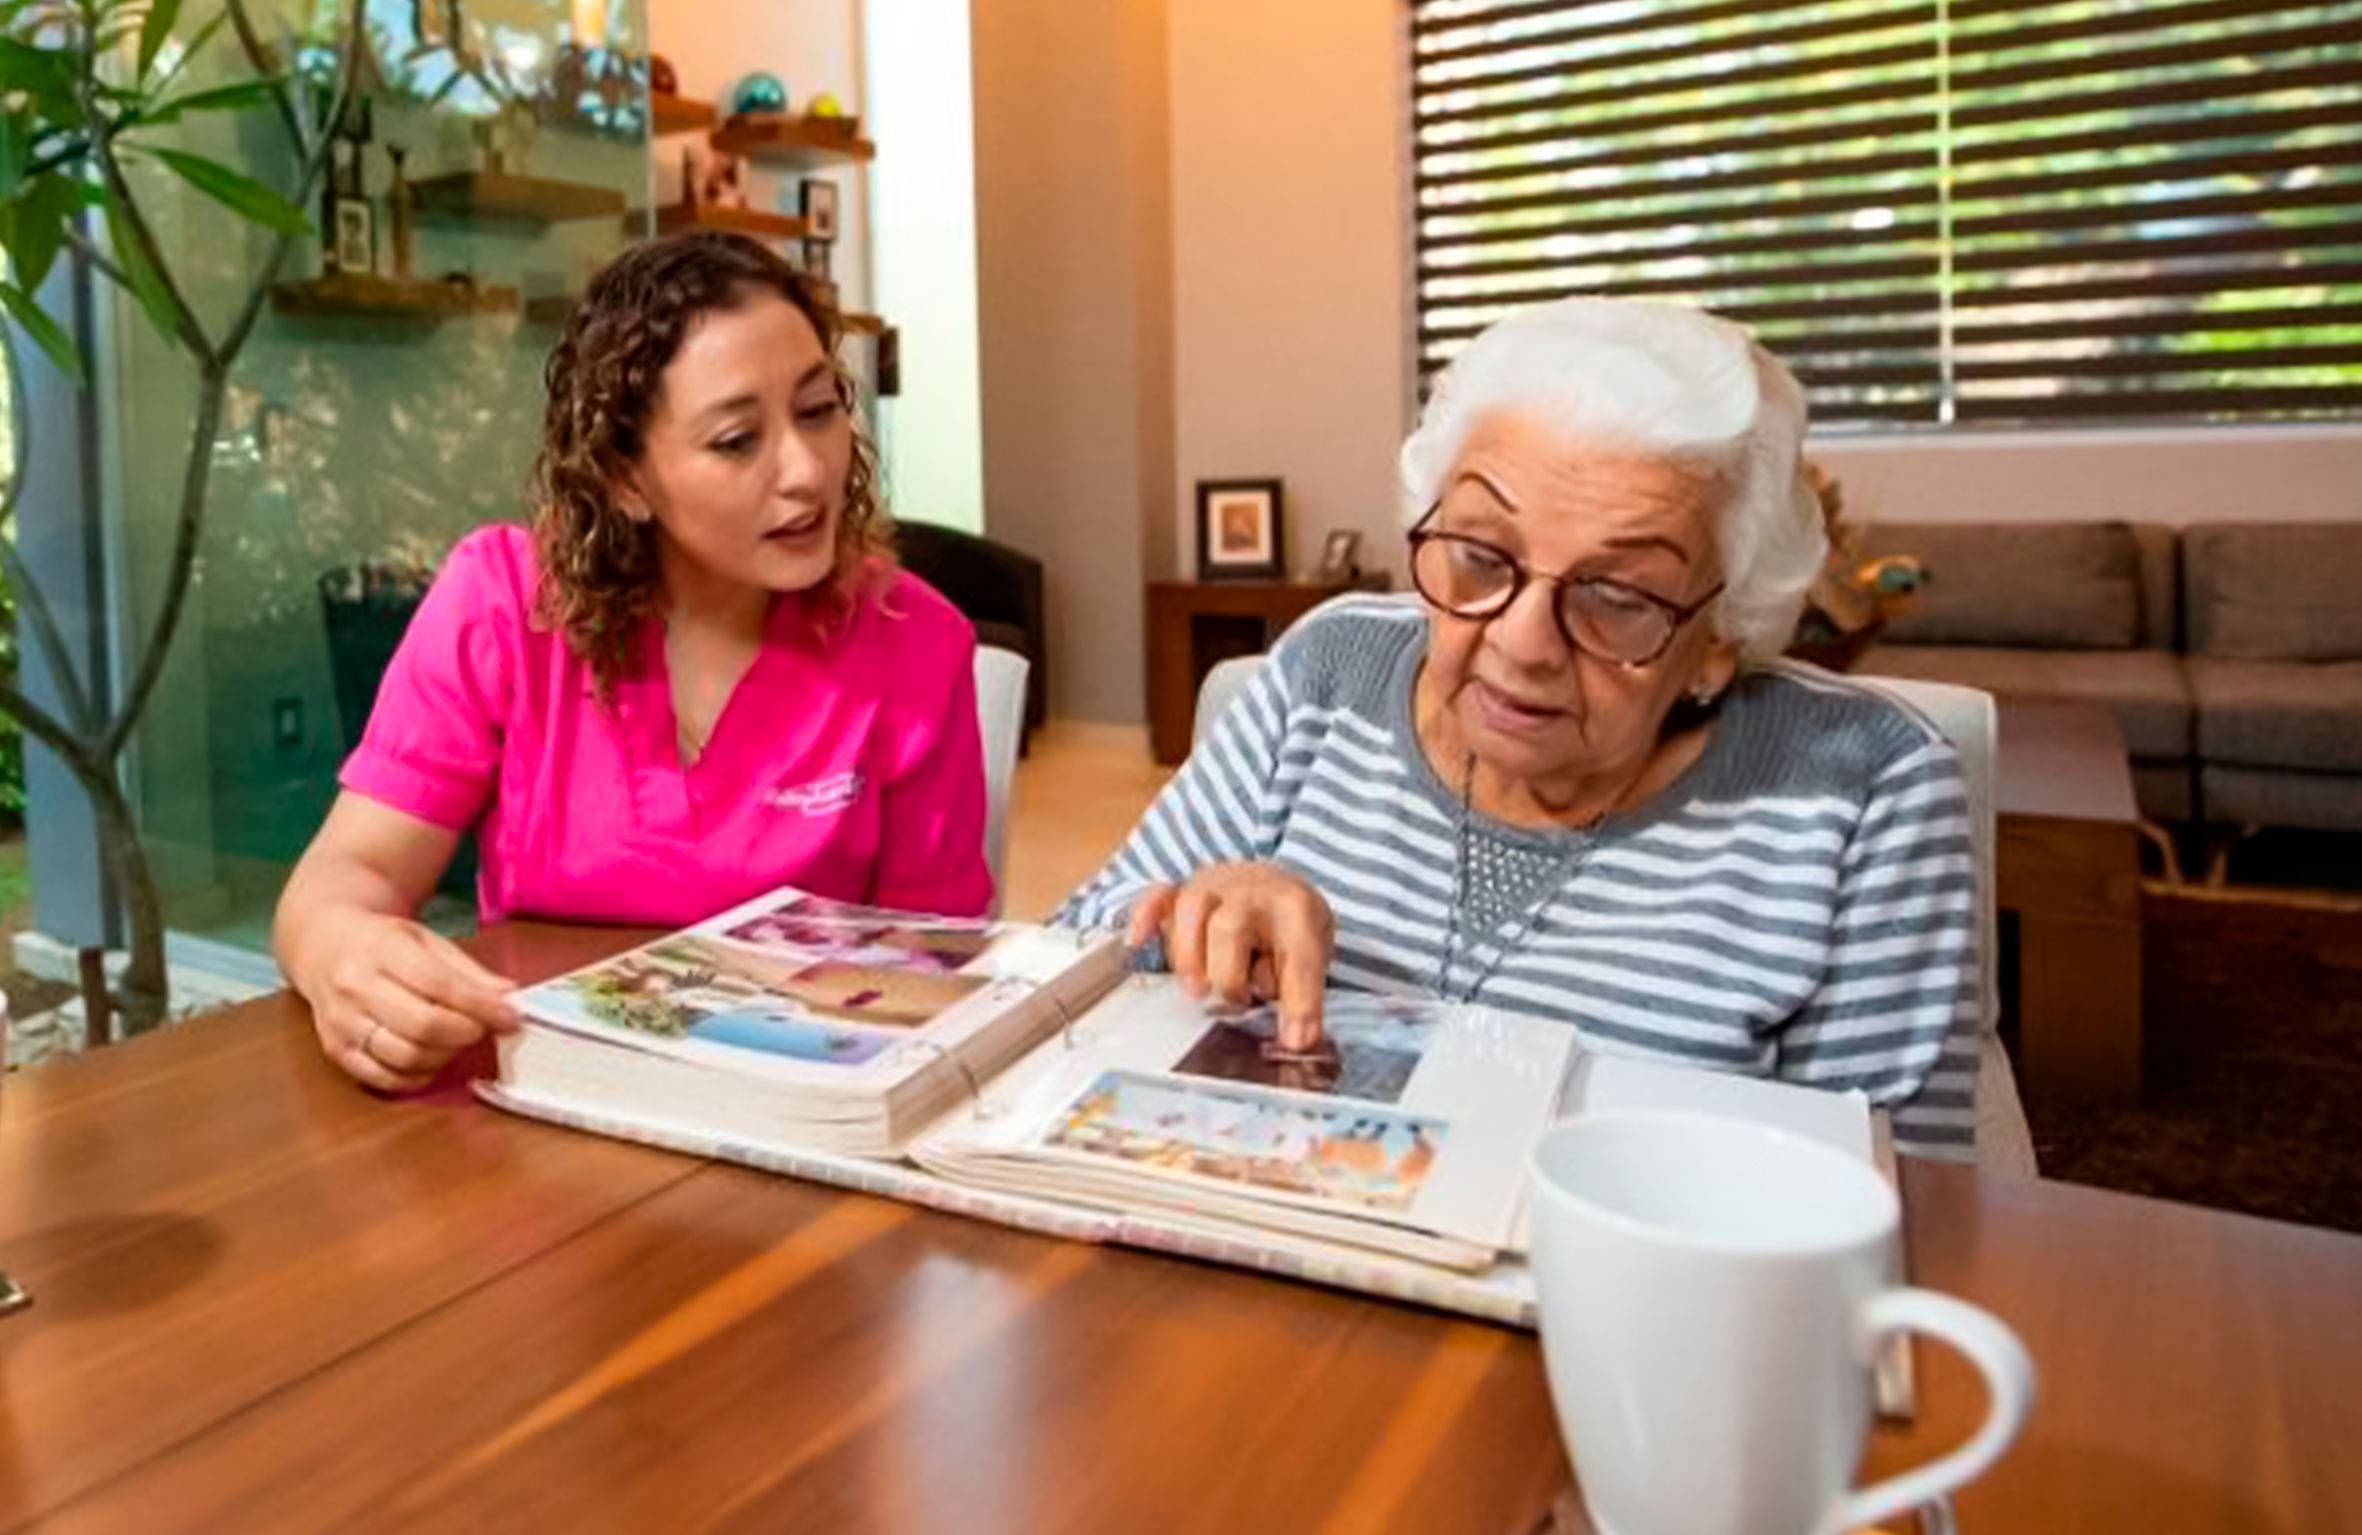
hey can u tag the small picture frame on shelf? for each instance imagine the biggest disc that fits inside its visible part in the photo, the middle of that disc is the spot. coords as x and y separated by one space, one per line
355 250
1240 532
1340 556
816 200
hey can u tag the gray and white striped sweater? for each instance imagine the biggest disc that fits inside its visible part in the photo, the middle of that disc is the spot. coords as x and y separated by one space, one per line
1799 903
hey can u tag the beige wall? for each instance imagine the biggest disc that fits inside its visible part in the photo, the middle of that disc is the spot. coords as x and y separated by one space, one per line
1072 200
1291 342
1188 212
2225 474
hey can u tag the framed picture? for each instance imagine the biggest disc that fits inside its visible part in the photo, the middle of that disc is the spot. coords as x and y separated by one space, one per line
816 200
356 237
1340 555
816 260
1239 532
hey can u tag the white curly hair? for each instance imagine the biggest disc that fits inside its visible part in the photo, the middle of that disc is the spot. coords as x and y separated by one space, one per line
1625 373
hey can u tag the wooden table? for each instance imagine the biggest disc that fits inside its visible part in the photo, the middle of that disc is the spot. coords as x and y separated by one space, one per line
1194 625
265 1301
2069 868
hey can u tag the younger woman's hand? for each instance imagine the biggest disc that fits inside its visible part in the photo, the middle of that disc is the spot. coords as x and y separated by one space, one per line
1247 932
398 1002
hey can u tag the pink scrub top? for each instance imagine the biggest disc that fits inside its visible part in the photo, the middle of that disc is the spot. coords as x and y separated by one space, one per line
848 765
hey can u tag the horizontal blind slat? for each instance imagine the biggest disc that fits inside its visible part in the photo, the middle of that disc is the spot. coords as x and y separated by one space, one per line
2334 274
1893 303
2150 364
2169 404
1912 13
2168 210
1969 42
1969 257
1912 197
1822 170
2261 162
2222 126
1968 112
1968 336
1912 234
1625 123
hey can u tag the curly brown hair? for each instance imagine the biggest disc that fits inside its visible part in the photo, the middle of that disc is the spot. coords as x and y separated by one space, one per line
599 567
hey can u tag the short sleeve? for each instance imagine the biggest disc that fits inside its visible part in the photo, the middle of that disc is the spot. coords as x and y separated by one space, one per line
432 746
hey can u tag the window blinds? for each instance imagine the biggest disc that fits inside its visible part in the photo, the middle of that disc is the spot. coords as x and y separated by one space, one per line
1978 211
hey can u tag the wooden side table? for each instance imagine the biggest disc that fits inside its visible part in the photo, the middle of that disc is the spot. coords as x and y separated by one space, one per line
2069 866
1195 625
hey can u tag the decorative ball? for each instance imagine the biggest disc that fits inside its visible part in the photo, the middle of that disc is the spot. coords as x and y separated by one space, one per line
826 105
663 79
759 93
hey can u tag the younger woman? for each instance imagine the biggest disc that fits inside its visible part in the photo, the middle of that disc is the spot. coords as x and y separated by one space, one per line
698 675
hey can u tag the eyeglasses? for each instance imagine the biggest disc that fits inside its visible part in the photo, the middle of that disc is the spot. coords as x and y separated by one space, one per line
1470 578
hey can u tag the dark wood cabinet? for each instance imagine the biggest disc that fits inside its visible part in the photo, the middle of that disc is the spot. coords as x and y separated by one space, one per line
1194 625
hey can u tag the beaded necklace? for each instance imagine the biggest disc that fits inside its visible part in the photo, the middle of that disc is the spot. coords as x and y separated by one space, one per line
1514 932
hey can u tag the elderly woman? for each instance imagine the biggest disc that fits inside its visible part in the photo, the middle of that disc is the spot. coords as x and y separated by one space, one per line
1574 778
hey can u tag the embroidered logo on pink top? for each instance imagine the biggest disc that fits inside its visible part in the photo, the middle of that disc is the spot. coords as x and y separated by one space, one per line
828 796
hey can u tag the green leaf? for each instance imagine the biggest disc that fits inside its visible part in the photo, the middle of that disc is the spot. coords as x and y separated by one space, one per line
155 32
245 96
16 151
37 227
43 73
146 286
44 330
241 194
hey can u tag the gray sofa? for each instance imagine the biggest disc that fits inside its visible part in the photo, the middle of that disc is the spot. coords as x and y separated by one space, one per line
2230 653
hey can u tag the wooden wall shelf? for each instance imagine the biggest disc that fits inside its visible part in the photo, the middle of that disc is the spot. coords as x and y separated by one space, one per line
859 324
791 140
768 226
517 199
550 308
411 298
681 114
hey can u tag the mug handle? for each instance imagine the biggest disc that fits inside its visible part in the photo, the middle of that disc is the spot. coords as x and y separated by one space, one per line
2009 1383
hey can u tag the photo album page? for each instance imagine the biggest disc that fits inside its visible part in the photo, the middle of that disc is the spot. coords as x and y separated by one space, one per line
1406 1132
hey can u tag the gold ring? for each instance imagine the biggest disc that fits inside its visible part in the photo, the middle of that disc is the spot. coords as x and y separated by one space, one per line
369 1039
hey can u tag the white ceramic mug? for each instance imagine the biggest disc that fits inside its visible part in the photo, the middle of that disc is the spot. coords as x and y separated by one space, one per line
1713 1294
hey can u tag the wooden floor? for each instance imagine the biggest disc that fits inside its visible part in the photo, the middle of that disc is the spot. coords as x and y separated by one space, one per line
1077 794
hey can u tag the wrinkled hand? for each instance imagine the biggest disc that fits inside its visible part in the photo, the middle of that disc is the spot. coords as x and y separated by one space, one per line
1246 932
398 1002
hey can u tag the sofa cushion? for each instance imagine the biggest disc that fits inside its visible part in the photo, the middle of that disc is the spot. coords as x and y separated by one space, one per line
2144 688
2286 591
2279 714
2276 797
2059 585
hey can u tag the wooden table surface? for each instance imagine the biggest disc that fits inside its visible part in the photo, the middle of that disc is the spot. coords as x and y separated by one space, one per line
2061 760
265 1301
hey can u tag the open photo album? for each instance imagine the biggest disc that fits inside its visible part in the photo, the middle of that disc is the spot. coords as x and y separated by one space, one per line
1022 1074
805 1021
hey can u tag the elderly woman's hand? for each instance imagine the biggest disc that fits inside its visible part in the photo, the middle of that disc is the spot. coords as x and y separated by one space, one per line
1246 932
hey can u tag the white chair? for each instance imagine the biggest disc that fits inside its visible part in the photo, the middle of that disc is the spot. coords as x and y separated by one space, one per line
1965 716
1000 713
1225 682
